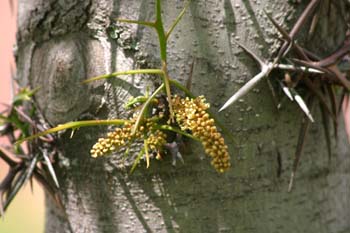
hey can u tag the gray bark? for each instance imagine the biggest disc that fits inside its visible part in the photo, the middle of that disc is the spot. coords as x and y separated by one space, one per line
61 43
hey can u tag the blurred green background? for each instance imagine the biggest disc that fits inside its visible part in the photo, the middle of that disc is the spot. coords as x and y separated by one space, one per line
26 213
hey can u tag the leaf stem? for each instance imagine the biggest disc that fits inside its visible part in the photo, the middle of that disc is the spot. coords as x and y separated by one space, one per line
144 23
173 129
129 72
177 20
73 125
144 108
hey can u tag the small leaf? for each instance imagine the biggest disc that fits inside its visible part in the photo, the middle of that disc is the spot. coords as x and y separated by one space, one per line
24 95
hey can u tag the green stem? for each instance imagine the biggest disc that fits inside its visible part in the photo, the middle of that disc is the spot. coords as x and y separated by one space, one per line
137 100
182 88
129 72
167 89
73 125
137 160
169 128
160 31
144 108
145 23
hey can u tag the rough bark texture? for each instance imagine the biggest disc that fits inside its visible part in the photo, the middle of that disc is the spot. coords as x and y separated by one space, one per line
60 43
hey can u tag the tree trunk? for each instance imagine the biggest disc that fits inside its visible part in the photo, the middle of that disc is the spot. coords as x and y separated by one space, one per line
61 43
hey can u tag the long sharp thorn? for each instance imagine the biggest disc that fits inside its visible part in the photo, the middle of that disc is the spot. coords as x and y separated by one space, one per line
342 97
340 76
262 65
310 65
308 10
25 175
325 123
5 157
320 96
286 91
300 145
278 27
273 93
301 20
246 88
51 169
298 68
189 80
302 105
251 53
333 101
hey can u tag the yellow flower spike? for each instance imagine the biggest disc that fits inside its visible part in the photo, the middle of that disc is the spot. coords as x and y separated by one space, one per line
191 115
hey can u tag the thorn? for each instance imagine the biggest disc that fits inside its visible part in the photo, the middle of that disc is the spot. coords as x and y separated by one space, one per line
300 145
303 107
189 80
325 124
286 91
251 54
51 169
291 181
247 87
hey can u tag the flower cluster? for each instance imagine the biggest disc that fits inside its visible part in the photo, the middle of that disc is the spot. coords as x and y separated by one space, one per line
120 137
191 115
116 139
156 140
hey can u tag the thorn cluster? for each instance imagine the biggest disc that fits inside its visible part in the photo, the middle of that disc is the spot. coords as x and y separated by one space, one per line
191 115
